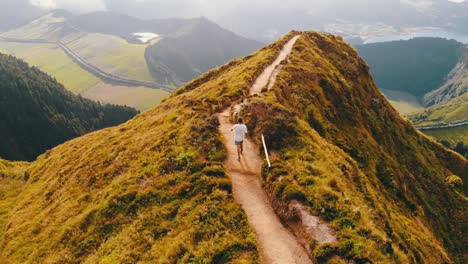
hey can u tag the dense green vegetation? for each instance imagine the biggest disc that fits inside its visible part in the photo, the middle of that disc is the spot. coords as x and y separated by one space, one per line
37 113
152 190
433 70
155 190
351 159
417 66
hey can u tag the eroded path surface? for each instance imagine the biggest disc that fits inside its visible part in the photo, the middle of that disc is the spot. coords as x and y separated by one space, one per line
276 243
265 76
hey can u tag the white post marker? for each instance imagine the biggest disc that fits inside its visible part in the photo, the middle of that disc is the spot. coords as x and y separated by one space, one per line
266 151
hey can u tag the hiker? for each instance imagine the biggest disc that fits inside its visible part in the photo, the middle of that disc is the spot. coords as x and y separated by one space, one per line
239 135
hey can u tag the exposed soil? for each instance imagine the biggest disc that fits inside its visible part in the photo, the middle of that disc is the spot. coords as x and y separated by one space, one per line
276 243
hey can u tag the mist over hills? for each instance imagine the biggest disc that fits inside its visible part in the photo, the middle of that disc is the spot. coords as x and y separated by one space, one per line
16 13
109 44
188 47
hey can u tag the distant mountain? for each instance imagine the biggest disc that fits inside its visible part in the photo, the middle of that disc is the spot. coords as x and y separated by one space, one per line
17 12
350 19
417 66
187 48
156 189
456 82
434 71
176 51
37 113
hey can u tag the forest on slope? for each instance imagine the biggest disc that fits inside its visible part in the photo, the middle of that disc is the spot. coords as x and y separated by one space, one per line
37 113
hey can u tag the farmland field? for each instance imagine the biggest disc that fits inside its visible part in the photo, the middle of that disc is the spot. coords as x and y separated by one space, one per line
111 54
452 135
403 102
52 60
140 98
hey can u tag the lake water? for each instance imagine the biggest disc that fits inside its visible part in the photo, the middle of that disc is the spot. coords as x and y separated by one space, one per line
145 36
460 37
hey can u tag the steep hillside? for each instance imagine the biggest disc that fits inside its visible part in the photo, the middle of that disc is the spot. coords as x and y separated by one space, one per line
456 83
194 51
422 72
155 188
417 66
443 113
186 47
37 113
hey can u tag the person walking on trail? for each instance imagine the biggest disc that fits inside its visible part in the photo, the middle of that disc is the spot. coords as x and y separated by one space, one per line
239 135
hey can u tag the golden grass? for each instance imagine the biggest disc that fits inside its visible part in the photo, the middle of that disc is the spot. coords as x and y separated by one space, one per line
142 191
139 191
345 153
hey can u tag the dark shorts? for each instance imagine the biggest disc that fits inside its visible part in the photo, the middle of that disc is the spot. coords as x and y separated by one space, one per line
238 142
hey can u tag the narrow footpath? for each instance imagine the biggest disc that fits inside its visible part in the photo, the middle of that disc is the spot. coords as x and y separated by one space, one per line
276 243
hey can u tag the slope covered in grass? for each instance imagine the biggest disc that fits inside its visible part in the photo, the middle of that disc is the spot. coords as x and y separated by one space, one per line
152 190
444 113
37 113
155 189
350 158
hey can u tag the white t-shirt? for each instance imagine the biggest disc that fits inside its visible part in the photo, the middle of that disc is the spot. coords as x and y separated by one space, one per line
239 132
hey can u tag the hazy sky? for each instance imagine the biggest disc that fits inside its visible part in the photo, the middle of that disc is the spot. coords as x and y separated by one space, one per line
187 8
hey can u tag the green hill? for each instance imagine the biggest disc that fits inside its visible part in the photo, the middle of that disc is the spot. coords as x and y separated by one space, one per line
416 66
456 83
37 113
155 189
430 72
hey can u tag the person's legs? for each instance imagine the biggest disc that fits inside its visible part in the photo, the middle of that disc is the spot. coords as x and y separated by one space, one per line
239 149
242 148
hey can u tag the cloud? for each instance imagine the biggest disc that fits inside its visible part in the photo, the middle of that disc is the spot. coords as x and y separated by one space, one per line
210 8
72 5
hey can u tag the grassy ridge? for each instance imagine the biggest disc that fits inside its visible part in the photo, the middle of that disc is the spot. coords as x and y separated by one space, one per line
155 190
350 158
151 190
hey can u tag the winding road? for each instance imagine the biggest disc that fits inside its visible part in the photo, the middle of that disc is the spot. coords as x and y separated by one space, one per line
457 123
276 243
91 68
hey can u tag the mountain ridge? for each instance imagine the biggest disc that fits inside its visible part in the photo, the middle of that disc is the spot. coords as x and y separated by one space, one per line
155 188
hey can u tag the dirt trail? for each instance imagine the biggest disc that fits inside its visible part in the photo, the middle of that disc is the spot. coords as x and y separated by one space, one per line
264 78
276 243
